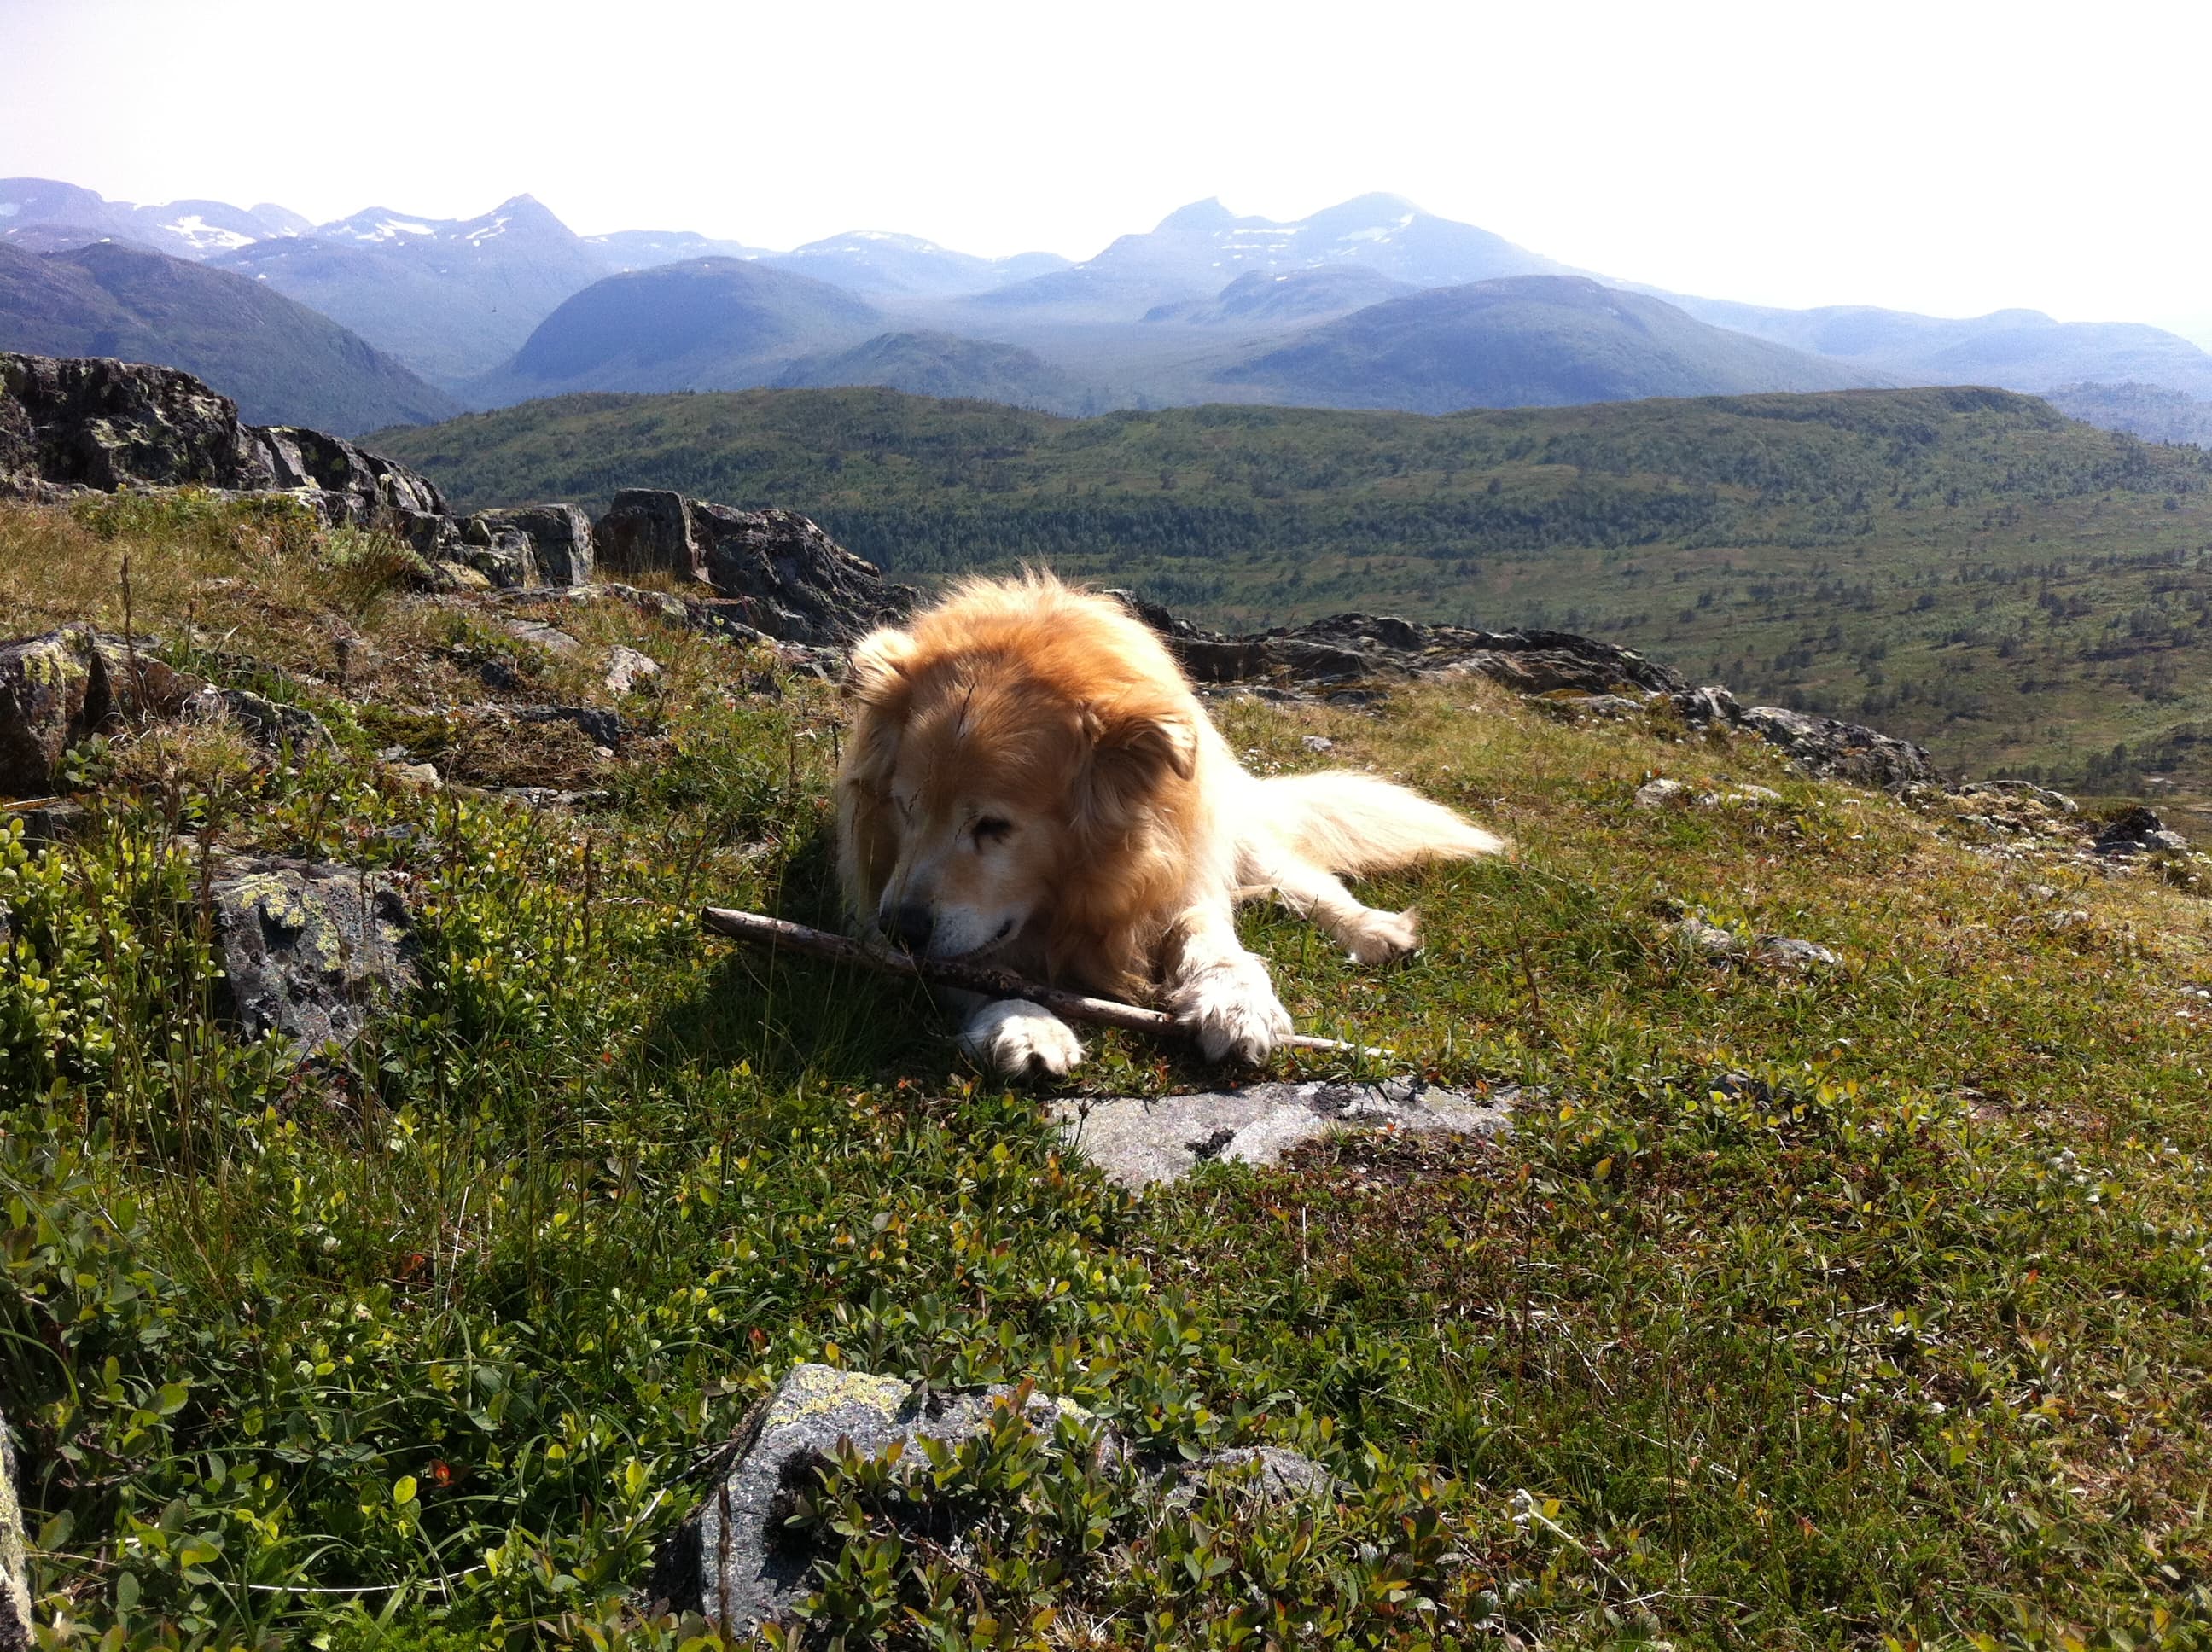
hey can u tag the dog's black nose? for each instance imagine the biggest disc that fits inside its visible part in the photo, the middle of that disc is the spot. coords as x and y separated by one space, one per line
910 926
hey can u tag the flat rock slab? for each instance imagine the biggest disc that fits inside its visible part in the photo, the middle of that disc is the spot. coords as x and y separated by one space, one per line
1138 1142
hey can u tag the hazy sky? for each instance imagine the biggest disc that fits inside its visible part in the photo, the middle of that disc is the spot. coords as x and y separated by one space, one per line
1944 156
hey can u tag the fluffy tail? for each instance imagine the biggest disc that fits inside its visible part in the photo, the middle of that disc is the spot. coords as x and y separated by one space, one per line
1355 823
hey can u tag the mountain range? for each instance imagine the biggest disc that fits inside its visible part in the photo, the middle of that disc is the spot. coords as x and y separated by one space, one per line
1372 303
280 361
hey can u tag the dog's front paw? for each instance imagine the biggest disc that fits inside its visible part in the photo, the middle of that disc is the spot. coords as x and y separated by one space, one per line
1379 937
1017 1037
1232 1008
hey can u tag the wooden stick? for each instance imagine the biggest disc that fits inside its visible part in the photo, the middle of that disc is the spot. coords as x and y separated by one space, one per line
974 978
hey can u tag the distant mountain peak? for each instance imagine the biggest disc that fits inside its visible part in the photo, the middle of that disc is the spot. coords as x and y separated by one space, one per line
1206 215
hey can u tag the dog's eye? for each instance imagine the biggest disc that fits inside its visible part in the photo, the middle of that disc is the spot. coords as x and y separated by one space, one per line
992 830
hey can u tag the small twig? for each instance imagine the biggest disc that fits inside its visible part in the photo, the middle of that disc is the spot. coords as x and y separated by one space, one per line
976 978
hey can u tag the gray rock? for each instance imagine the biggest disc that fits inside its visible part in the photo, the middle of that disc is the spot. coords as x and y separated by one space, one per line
308 949
1350 647
603 727
1844 750
1318 742
1137 1142
648 531
1707 941
735 1560
538 634
627 668
66 686
362 489
54 692
55 820
559 537
96 423
272 724
1782 953
2138 831
16 1630
1657 794
502 555
1710 707
796 583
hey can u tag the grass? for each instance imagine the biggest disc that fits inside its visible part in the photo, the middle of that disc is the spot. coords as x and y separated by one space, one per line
1858 1308
2024 594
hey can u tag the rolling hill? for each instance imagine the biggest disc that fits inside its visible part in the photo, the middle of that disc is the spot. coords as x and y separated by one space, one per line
281 362
943 366
705 324
2026 593
1526 341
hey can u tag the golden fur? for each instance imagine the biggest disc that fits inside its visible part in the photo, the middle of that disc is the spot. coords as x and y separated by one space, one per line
1029 778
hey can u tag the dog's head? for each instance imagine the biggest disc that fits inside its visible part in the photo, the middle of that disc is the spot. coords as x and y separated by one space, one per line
1003 754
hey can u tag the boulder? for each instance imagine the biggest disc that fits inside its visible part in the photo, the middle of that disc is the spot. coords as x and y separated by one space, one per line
1657 794
559 537
2138 831
368 490
97 423
737 1561
502 555
793 581
1843 750
648 531
307 948
54 692
626 669
1137 1141
15 1632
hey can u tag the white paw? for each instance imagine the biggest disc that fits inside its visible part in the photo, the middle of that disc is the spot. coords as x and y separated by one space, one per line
1232 1008
1017 1038
1379 937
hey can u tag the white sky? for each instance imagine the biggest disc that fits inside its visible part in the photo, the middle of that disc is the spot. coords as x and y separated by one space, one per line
1946 155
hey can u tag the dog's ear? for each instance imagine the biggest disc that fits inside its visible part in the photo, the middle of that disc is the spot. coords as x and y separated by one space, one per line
1133 748
876 673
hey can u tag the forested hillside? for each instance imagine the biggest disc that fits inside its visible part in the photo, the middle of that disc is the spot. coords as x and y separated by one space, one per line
2024 592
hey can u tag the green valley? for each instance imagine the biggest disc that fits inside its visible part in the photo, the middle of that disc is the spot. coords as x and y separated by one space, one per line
2026 594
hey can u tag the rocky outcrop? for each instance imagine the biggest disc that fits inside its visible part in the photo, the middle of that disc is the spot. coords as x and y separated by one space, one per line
738 1561
792 581
15 1631
1137 1141
1350 647
91 423
559 537
307 948
1844 750
777 573
74 423
1581 675
357 487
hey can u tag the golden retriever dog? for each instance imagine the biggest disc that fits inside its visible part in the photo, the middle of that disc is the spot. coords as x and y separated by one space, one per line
1030 781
